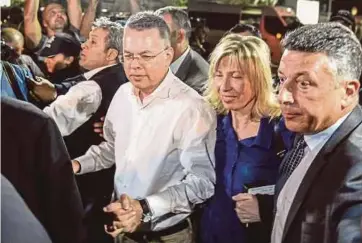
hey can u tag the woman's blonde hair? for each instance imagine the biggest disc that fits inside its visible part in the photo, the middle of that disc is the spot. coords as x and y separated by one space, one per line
253 57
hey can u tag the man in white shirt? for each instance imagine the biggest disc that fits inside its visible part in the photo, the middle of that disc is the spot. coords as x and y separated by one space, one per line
85 103
319 192
187 64
161 135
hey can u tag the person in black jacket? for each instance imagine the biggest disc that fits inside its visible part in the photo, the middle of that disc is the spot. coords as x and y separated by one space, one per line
34 159
16 217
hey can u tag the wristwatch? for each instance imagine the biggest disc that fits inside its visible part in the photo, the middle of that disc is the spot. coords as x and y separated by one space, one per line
147 215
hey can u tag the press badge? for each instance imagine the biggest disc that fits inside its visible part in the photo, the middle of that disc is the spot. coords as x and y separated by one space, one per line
262 190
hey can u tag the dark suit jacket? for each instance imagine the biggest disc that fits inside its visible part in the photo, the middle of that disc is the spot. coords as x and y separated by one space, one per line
34 159
194 71
16 217
327 207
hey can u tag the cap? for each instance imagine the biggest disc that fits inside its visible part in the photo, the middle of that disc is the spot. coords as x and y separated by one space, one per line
345 17
61 43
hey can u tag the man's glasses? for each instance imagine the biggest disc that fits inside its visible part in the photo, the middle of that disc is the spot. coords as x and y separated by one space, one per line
142 59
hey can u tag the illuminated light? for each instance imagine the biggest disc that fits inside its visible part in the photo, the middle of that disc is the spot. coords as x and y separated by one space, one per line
42 9
104 10
289 10
279 36
354 11
308 11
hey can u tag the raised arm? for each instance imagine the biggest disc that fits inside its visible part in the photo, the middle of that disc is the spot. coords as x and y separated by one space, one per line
32 26
88 18
74 13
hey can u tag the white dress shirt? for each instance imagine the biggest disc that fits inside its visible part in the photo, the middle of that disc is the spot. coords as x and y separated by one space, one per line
177 63
163 149
73 109
286 197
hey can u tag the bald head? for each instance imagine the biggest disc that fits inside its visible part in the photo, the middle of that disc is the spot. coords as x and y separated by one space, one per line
13 38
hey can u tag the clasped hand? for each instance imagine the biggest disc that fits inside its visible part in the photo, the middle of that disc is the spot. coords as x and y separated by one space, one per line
127 214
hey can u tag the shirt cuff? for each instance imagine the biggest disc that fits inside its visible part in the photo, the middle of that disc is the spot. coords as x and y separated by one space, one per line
159 204
87 164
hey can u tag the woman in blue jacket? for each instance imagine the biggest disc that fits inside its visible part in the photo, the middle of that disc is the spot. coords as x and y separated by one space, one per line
250 142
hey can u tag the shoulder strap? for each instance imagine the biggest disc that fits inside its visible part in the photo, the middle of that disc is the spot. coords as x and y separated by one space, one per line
13 81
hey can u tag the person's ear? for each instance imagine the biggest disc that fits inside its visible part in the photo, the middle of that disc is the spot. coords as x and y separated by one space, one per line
181 36
112 54
169 55
350 92
69 60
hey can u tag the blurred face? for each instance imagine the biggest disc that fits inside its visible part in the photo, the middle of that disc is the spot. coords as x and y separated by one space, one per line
54 17
146 58
57 62
233 86
310 97
94 52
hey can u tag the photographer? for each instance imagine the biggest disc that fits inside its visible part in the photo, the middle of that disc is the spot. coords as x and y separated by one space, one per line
15 39
13 74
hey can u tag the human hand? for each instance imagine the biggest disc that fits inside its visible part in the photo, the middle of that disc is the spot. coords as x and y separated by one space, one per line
128 214
76 166
42 89
247 208
98 127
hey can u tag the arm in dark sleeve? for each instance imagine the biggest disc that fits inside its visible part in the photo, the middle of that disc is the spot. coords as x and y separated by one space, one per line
62 204
261 232
63 87
347 211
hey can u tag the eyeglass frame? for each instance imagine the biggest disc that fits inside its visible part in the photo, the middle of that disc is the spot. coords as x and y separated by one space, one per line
141 59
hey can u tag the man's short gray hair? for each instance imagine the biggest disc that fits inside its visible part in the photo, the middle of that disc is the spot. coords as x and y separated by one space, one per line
149 20
115 33
180 18
333 39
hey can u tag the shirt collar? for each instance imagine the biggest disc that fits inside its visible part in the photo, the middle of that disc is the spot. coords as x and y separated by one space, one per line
163 91
314 139
262 139
177 63
92 72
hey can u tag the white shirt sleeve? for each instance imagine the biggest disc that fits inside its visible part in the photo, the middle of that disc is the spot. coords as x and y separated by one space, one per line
71 110
100 156
198 129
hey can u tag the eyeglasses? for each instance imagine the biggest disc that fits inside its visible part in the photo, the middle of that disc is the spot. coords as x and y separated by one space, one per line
142 59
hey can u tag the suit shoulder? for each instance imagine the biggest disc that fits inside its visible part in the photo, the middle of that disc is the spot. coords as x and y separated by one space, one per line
20 108
199 62
21 118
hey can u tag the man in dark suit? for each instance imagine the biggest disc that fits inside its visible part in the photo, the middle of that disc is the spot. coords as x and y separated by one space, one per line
187 64
34 159
319 192
16 217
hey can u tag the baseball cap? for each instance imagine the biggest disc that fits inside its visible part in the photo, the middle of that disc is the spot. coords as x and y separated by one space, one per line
61 43
345 17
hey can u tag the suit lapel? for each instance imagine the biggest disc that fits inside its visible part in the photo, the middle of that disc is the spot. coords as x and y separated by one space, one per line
184 67
352 121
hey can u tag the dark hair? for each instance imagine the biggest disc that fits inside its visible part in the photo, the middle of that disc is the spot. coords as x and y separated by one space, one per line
149 20
338 42
345 18
180 18
238 28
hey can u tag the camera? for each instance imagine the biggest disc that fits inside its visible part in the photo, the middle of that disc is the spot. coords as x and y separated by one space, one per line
8 53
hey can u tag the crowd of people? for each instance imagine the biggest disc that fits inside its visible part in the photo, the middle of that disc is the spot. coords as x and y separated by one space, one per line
126 134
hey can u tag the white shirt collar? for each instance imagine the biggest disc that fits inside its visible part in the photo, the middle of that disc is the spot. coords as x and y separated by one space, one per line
177 63
323 136
92 72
